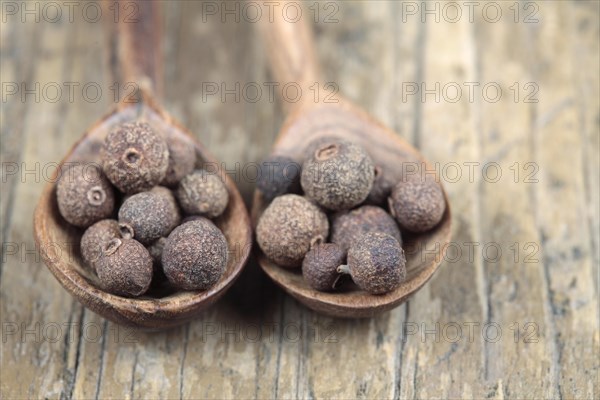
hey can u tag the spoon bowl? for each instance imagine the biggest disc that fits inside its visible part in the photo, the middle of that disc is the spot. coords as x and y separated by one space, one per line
58 241
390 152
291 51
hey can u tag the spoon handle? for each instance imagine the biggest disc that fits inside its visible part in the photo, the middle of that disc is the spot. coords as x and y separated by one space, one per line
291 51
139 45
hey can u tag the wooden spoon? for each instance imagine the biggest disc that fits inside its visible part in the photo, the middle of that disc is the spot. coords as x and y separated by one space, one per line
139 56
291 53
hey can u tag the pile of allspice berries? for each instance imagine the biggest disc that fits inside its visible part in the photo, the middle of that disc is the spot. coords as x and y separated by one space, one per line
147 213
335 214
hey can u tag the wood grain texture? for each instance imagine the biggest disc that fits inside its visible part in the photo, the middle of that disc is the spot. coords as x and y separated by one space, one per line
257 342
447 132
291 51
560 215
140 44
508 214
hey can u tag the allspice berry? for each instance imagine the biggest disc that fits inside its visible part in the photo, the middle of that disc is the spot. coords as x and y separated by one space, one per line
149 215
381 189
288 227
202 193
125 268
348 226
135 157
417 204
95 238
195 255
320 264
376 263
279 175
182 160
84 195
338 176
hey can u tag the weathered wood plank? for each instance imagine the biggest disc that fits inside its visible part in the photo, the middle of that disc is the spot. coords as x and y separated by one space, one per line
512 263
90 361
586 27
31 297
440 364
561 204
259 343
15 49
217 65
408 40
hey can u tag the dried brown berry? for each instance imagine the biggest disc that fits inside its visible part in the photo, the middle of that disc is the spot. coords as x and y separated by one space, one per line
381 189
149 215
319 267
95 239
125 267
338 176
84 195
418 205
195 255
202 193
182 159
135 158
348 226
287 228
376 263
279 175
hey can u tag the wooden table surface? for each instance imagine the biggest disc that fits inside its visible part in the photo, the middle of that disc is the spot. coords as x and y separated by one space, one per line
506 105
